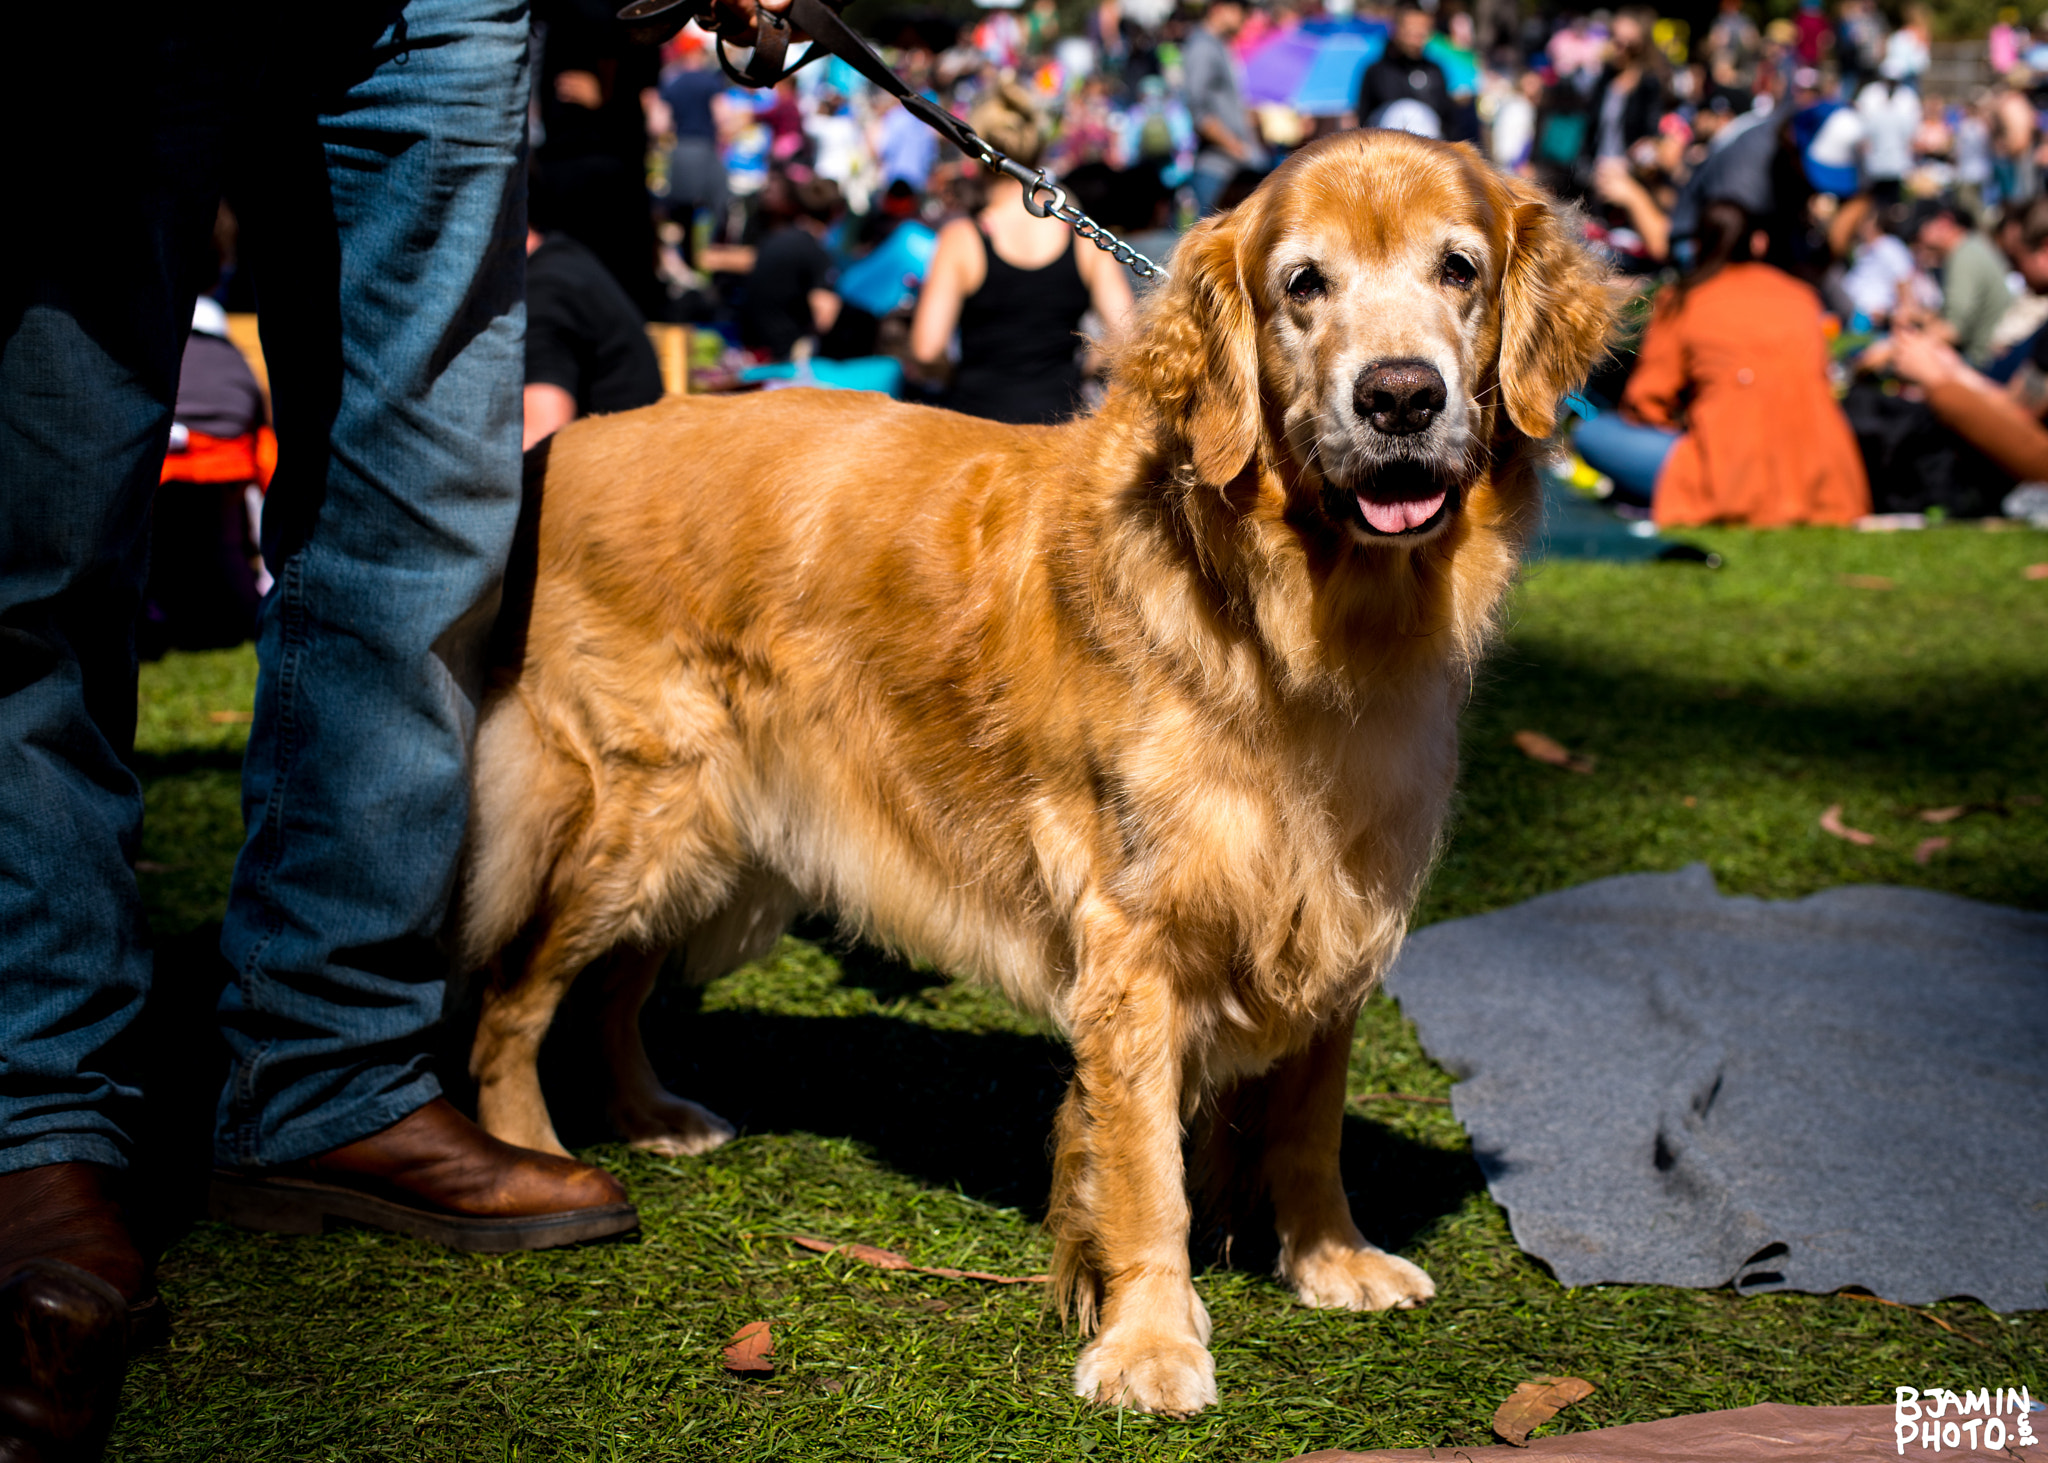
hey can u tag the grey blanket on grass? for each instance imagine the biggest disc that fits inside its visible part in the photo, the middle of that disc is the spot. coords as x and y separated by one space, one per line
1670 1087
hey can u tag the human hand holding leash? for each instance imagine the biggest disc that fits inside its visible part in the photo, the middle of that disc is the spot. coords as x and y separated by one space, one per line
737 21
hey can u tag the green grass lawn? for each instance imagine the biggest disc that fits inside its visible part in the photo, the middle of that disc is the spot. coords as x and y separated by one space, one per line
1725 710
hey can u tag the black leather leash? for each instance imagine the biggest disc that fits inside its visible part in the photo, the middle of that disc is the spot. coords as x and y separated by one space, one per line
655 21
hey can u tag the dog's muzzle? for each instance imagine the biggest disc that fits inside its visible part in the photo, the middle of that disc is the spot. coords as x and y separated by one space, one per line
1400 400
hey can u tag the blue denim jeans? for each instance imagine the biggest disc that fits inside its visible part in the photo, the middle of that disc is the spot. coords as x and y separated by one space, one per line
387 210
2006 365
1629 452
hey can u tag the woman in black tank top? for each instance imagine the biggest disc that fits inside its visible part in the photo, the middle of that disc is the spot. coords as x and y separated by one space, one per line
1020 359
1018 322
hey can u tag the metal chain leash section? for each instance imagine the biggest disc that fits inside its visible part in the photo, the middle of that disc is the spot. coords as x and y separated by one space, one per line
1036 183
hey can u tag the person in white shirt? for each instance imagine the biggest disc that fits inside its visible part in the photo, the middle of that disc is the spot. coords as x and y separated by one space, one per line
1880 266
1906 53
1890 109
1514 122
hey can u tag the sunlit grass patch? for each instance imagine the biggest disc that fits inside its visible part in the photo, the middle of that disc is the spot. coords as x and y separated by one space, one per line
1724 710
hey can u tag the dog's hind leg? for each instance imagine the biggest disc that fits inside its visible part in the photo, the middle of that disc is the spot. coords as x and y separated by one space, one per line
1322 1254
645 1113
745 928
517 1012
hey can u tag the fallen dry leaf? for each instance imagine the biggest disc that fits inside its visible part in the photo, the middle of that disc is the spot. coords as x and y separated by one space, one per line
1928 848
751 1350
2036 571
1831 822
230 718
883 1259
867 1254
1924 1315
1866 581
1535 1403
1539 748
1962 810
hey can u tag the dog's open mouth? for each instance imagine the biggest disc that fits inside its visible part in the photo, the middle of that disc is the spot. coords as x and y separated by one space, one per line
1404 498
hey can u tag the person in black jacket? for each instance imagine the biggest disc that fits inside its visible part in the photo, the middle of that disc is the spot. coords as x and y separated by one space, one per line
1628 99
1404 74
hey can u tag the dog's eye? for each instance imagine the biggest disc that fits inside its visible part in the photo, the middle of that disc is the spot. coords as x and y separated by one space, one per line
1306 283
1458 271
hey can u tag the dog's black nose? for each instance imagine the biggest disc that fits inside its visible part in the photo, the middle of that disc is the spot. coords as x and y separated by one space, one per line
1400 398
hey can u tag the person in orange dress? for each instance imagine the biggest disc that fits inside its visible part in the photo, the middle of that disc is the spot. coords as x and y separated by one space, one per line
1734 363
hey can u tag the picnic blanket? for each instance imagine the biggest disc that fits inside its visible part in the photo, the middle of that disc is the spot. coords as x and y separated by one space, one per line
1668 1086
1578 528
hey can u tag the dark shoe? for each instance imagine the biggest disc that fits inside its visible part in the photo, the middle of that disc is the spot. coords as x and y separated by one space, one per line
437 1176
71 1212
63 1352
75 1303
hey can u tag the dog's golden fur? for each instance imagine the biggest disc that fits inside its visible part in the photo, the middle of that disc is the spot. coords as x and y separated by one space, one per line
1133 716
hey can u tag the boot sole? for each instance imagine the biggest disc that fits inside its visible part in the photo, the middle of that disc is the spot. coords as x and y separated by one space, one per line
278 1205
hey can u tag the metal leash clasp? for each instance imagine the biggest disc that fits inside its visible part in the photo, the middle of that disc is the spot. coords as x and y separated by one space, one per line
1044 198
1034 182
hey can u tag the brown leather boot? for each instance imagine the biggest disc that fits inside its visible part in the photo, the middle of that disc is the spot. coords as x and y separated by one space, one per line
75 1302
437 1176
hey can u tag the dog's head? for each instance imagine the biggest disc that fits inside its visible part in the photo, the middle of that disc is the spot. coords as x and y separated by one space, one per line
1383 315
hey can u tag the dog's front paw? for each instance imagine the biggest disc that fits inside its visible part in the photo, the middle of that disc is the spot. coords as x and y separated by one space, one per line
1147 1369
1359 1279
672 1126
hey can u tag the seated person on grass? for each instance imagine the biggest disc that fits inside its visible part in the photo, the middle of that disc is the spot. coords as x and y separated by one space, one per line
586 342
2023 238
1729 416
1964 437
203 586
1881 269
2002 422
1974 296
790 291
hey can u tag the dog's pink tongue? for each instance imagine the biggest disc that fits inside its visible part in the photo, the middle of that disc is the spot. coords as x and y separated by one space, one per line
1400 516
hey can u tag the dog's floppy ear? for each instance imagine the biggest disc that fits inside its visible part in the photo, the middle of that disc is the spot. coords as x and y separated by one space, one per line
1196 352
1557 308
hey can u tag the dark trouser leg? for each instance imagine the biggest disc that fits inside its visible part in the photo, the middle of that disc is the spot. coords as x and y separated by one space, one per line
97 276
96 286
391 217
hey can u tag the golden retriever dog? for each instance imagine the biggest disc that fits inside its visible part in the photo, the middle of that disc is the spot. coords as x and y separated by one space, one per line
1151 718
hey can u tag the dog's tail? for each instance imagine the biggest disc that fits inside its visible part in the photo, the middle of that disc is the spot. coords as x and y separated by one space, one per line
526 802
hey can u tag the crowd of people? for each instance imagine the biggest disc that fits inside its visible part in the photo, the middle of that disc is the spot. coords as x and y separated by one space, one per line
820 217
1873 245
